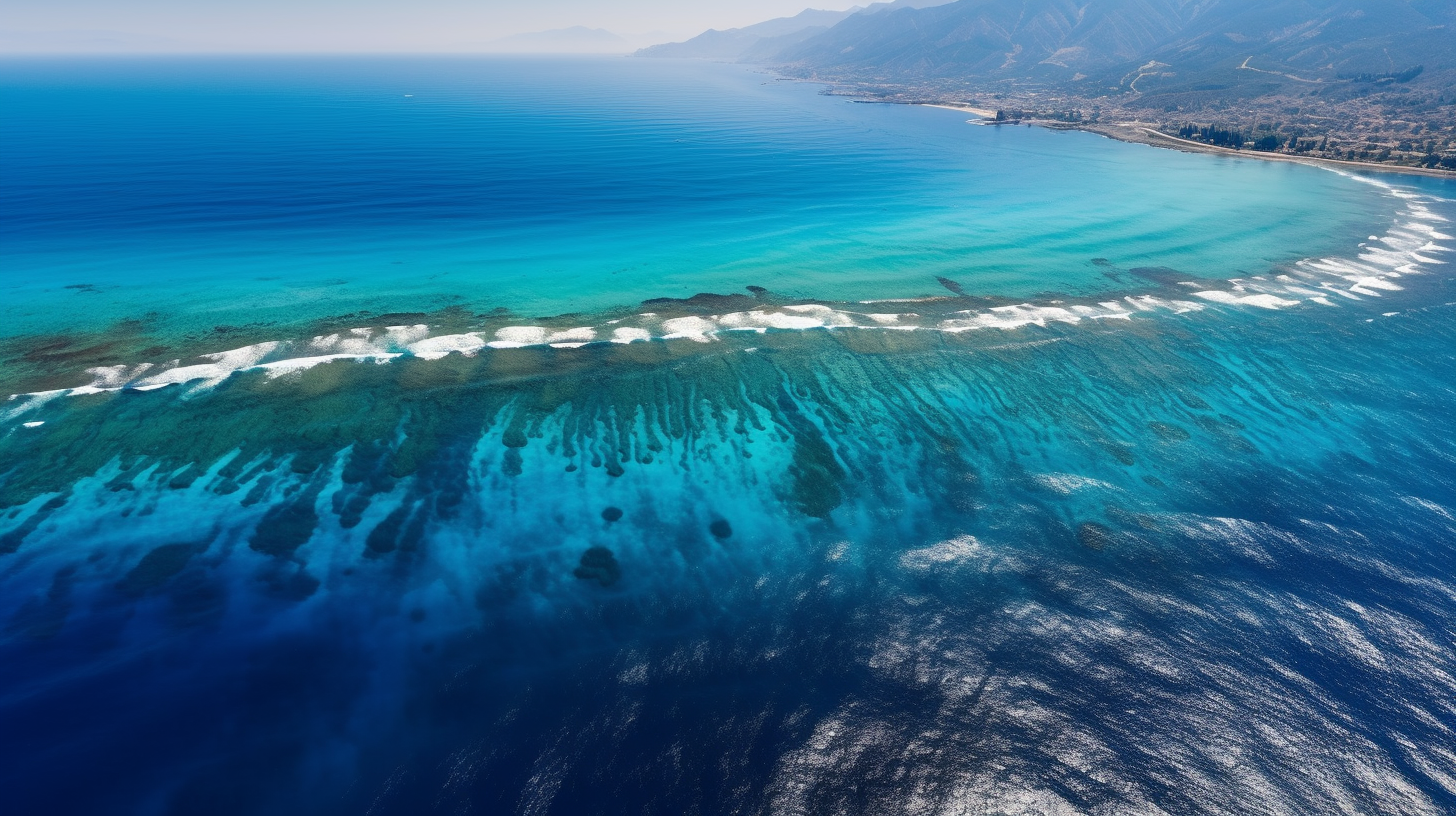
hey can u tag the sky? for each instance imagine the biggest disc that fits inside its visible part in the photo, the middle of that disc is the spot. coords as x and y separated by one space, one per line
357 25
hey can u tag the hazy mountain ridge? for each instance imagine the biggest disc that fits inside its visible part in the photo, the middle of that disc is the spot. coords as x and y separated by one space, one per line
763 42
735 43
1056 40
993 37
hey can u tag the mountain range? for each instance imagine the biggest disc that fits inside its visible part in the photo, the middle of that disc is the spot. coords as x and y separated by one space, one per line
1100 47
765 41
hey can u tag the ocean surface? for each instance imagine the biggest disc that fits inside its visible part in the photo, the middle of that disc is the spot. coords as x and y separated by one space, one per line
612 436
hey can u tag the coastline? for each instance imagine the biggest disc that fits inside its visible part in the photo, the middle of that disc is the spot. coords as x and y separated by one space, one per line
1138 133
981 112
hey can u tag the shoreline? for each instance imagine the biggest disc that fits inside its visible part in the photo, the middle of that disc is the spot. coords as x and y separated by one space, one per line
1134 133
981 112
1138 133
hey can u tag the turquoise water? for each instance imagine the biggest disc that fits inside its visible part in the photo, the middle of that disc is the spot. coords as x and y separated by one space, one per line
242 191
409 440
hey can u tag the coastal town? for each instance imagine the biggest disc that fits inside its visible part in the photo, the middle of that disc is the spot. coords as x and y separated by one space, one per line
1362 120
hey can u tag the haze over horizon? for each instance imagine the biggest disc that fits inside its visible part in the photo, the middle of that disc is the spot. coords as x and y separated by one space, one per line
171 26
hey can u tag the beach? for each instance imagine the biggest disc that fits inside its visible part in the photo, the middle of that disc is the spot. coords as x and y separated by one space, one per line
1141 133
1138 133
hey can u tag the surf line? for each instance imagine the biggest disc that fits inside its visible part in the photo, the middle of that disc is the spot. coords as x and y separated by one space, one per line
1411 244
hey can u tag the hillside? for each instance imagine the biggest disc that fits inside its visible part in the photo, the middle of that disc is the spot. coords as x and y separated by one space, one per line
736 43
1377 76
1070 41
764 41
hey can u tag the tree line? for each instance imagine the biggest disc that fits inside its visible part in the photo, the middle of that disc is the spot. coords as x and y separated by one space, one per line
1398 76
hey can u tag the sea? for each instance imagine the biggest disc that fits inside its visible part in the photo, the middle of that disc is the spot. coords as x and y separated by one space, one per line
546 435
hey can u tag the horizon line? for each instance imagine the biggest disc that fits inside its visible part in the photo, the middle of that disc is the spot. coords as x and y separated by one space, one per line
25 54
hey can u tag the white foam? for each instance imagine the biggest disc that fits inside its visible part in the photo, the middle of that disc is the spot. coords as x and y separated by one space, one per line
1406 248
888 319
572 338
763 321
630 335
32 424
110 377
519 337
696 329
1366 285
223 365
1233 299
29 402
356 343
1010 317
404 335
1430 232
434 348
292 365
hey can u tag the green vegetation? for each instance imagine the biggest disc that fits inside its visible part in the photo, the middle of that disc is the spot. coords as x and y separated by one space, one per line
1401 77
1211 134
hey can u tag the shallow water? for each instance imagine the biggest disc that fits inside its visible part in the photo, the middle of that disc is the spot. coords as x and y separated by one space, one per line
229 192
1166 531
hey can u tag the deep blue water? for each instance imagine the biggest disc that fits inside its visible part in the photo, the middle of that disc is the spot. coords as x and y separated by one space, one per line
998 470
